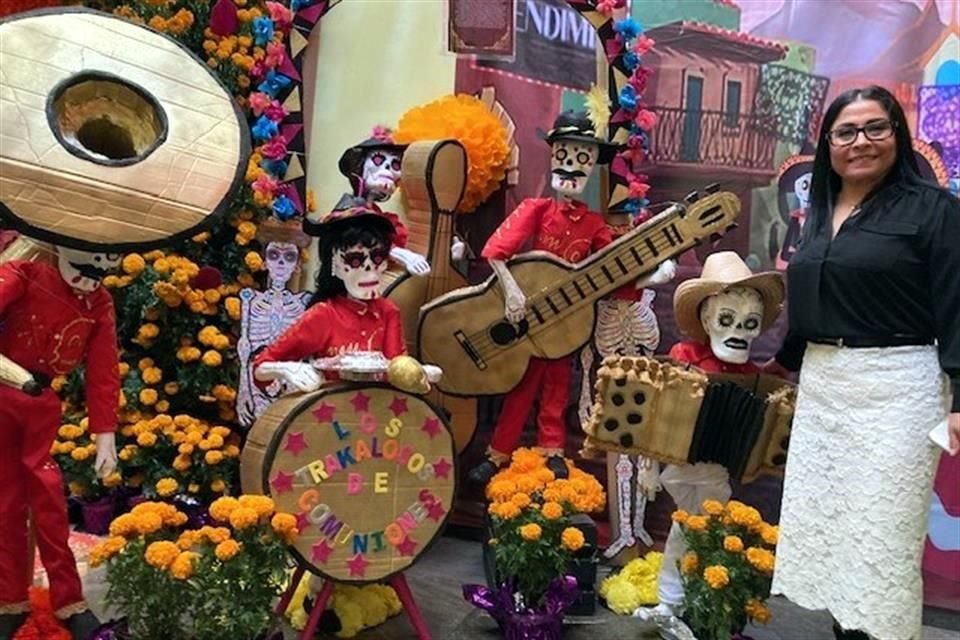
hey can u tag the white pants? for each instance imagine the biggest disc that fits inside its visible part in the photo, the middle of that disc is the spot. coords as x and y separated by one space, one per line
689 486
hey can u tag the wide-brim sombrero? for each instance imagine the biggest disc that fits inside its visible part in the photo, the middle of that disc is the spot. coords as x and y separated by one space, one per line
722 271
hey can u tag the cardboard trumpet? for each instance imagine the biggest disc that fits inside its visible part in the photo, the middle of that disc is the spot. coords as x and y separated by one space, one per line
13 375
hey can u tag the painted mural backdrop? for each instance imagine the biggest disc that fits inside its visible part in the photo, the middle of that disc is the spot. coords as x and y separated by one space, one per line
739 89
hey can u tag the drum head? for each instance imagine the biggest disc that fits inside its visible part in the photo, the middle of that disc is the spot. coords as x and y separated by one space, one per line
369 471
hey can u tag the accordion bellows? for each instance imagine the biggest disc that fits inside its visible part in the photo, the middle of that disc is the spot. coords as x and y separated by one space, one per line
678 414
112 135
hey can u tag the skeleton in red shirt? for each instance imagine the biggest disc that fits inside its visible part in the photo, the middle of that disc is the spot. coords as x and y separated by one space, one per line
723 311
51 321
566 228
346 314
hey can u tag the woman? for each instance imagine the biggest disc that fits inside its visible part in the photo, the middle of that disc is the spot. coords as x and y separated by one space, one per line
874 299
346 313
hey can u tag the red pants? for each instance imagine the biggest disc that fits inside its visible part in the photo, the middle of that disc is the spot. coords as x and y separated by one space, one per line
552 379
30 481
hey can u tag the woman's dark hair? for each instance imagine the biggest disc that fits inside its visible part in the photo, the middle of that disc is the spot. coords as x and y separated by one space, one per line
825 184
369 231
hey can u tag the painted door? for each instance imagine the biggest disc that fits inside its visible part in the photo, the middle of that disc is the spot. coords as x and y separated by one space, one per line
690 144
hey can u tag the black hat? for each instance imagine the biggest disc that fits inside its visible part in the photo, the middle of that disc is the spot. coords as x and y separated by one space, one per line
351 162
575 125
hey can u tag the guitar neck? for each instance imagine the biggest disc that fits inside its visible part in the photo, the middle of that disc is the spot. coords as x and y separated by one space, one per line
618 264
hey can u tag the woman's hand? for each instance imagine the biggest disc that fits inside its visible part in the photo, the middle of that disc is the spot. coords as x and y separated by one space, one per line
953 427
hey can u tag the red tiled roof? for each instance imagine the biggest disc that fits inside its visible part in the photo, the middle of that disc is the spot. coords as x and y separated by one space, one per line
724 41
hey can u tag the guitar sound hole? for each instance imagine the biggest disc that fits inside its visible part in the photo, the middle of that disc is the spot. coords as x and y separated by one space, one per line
504 333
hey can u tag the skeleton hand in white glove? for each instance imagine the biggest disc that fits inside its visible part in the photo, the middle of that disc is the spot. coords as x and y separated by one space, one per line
299 376
434 373
663 274
514 299
106 461
415 263
458 249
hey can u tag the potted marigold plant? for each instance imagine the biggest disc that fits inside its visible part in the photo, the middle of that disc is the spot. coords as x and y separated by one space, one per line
534 544
728 568
196 584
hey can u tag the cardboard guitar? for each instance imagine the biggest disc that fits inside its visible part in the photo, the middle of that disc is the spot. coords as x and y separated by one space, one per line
465 331
434 179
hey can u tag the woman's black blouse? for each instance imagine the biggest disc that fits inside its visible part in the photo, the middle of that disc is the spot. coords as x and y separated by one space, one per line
893 270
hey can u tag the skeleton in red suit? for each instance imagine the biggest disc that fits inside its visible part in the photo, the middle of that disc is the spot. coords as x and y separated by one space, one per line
346 314
566 228
723 311
51 321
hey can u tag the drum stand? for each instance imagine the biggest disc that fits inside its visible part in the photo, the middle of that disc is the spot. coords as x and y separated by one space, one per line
398 582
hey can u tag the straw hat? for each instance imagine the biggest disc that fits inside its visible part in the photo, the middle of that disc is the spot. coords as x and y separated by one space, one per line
722 271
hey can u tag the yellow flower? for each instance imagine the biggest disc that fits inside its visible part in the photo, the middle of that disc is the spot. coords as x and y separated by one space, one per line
522 500
123 369
167 487
152 375
690 563
111 282
182 463
757 610
106 550
247 230
213 457
263 505
171 388
770 534
221 508
133 264
80 454
227 549
697 523
218 486
148 523
253 261
161 554
225 393
531 532
182 567
505 510
188 354
733 544
232 305
162 405
746 516
680 516
712 507
76 488
716 576
552 511
761 559
148 397
147 439
243 517
285 525
112 480
572 539
212 359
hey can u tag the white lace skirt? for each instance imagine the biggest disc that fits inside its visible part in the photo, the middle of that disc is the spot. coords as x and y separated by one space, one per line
857 487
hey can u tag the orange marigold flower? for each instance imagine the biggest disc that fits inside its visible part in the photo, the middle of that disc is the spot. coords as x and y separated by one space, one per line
697 523
572 539
243 517
531 532
733 544
552 511
761 559
227 550
716 576
690 563
182 567
161 554
712 507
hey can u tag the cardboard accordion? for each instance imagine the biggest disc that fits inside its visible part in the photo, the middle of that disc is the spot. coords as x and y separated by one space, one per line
678 414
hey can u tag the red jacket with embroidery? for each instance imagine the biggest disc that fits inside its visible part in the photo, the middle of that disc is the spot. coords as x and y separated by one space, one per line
47 327
700 355
340 325
567 230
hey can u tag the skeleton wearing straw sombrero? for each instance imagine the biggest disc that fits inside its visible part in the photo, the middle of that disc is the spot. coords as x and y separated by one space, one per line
723 311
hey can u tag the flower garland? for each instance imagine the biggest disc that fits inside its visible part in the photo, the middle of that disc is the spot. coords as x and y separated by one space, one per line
626 48
633 586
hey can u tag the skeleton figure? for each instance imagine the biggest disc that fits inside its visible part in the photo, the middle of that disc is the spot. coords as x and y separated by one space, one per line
571 163
732 320
264 316
794 179
84 271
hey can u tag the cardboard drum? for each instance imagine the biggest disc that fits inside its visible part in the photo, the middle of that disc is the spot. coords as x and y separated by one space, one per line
368 470
112 136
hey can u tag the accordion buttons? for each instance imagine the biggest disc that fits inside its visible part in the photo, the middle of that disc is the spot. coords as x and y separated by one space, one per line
639 398
617 399
634 418
626 440
611 424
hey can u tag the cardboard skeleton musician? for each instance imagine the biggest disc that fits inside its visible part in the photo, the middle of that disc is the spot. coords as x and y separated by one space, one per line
348 328
566 228
127 165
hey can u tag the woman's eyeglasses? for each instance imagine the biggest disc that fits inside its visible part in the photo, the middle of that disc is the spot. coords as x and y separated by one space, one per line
356 259
846 135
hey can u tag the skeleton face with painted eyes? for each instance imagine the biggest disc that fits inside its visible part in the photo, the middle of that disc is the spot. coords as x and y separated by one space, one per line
361 269
801 188
83 271
732 319
282 259
571 164
381 174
